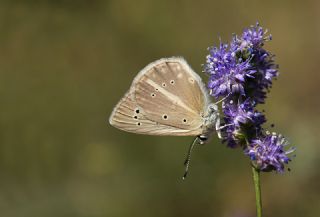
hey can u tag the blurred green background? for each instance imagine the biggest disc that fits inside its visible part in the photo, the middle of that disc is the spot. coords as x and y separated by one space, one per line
63 66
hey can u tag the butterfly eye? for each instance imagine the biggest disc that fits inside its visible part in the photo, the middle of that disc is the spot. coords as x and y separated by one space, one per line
153 95
138 123
184 120
137 111
213 107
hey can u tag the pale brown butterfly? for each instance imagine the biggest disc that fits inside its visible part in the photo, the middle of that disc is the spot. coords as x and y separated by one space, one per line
168 98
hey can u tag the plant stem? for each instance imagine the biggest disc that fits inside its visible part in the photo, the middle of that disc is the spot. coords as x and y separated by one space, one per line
256 180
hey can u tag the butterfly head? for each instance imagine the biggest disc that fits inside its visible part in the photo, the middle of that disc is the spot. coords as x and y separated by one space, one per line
212 115
212 108
211 122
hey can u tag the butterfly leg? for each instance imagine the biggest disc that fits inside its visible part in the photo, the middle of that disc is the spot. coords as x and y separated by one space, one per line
223 99
218 128
224 126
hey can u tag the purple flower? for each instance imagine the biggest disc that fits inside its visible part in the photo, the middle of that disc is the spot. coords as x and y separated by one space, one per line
227 75
243 67
266 70
239 116
243 70
255 36
268 153
242 113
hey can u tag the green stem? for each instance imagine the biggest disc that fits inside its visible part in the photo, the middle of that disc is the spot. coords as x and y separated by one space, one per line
256 180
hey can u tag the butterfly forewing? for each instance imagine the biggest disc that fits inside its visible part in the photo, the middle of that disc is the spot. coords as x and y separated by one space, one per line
170 93
166 98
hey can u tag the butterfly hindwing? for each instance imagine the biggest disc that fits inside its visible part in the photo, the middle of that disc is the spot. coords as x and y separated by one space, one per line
128 116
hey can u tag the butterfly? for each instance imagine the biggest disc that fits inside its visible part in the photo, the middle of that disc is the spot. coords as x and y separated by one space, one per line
168 98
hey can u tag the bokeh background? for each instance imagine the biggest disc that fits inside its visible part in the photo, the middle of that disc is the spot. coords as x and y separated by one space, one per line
63 66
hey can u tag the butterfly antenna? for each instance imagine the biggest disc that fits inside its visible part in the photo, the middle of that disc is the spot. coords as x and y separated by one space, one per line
188 158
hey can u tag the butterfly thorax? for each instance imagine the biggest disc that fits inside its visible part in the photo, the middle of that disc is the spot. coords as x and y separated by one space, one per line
211 123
